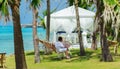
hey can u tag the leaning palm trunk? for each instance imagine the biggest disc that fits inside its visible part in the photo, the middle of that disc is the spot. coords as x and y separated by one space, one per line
82 51
18 41
94 36
48 51
35 37
106 56
94 42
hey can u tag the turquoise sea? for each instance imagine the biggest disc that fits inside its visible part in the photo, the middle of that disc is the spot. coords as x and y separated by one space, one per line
7 42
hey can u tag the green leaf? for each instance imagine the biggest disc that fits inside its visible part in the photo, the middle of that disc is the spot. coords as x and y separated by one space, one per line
35 3
1 1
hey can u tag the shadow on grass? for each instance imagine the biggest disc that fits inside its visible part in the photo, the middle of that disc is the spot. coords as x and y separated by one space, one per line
32 53
51 58
75 56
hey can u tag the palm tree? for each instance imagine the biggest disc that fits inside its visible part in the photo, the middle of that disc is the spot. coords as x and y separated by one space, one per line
111 18
106 56
18 41
82 51
35 5
35 37
112 15
48 20
48 51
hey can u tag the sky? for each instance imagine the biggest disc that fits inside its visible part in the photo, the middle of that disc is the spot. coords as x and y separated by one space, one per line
26 13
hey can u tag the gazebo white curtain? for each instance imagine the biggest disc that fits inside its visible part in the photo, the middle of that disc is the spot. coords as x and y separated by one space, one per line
65 19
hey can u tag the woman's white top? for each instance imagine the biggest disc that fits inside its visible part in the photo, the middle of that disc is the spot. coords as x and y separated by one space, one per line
60 47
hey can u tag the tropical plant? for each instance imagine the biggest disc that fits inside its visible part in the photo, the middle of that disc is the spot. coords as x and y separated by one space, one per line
106 56
35 4
82 51
18 40
112 15
81 3
42 19
48 51
4 12
48 20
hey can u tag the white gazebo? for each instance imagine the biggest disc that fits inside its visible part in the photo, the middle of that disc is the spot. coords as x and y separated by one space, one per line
65 19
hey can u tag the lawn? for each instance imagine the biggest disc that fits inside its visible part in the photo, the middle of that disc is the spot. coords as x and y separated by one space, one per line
90 61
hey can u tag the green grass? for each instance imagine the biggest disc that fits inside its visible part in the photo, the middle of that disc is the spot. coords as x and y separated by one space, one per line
90 61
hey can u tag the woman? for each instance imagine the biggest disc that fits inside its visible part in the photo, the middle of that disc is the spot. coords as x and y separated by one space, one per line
62 47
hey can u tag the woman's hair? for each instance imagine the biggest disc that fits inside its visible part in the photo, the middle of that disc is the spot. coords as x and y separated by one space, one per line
60 38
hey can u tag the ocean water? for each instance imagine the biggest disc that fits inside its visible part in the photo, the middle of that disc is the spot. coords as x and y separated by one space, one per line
7 38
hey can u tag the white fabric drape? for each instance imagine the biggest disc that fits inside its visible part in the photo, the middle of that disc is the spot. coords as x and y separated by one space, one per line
65 20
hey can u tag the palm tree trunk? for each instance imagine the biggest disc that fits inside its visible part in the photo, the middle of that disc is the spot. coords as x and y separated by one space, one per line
94 37
82 51
18 41
48 20
35 37
48 51
106 56
94 43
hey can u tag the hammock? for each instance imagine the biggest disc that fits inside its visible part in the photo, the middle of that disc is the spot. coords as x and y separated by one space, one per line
112 43
48 45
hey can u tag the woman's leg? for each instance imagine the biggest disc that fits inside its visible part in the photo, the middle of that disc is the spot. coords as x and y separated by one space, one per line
67 54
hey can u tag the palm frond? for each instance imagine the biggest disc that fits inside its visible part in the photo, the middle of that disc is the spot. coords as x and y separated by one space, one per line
42 22
4 9
111 12
35 3
44 12
81 3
